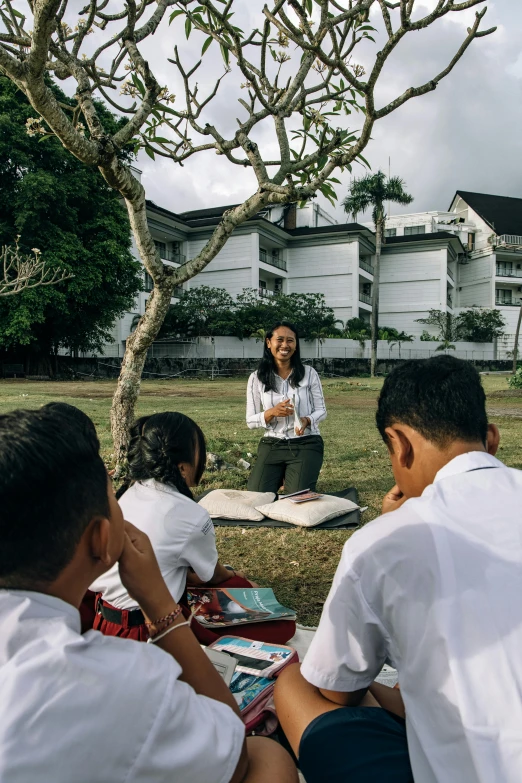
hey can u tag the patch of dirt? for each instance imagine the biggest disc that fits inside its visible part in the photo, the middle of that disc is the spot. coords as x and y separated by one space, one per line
497 395
514 413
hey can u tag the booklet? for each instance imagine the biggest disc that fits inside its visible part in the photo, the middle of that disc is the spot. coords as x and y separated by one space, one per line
215 607
224 664
294 494
252 657
305 497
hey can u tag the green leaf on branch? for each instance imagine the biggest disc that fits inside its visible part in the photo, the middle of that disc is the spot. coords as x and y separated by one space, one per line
174 14
206 44
188 27
150 152
225 53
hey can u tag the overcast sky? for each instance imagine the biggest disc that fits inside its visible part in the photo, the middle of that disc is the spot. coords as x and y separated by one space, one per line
466 135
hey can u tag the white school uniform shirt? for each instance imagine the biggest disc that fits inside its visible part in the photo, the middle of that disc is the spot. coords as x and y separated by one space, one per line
181 533
98 709
435 588
308 401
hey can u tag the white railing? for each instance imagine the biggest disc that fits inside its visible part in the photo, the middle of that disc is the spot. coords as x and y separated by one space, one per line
509 240
508 271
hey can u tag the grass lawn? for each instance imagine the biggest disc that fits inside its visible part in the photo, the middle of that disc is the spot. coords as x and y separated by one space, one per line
298 564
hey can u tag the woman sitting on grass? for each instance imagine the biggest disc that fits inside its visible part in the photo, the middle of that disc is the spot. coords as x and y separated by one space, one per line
167 456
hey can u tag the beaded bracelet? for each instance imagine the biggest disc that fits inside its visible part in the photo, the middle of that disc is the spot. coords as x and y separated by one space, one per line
169 618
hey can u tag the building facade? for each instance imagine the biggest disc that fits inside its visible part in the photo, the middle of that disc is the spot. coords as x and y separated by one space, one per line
470 255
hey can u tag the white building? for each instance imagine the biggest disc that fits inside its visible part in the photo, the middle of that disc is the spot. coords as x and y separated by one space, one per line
470 255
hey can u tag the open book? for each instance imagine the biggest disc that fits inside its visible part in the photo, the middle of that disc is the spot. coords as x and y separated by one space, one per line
215 607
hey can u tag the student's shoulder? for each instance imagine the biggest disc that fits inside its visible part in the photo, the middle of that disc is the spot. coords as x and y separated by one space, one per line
385 530
186 510
119 660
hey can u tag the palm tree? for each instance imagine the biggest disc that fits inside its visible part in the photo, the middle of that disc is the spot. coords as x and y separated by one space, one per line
373 190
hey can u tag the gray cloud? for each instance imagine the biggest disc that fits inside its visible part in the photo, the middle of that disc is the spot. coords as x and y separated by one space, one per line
464 135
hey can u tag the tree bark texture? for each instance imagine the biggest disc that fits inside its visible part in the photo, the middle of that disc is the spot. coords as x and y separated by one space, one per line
517 334
374 317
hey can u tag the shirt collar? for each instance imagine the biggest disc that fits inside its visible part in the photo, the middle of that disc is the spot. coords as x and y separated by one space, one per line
464 463
54 606
158 486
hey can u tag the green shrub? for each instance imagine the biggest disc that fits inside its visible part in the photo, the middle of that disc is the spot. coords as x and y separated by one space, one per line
516 380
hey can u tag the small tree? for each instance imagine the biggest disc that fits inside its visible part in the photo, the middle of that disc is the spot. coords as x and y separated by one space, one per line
448 328
481 324
374 190
20 272
313 95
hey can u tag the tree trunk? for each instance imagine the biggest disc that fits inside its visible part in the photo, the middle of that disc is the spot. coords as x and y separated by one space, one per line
129 382
517 333
374 318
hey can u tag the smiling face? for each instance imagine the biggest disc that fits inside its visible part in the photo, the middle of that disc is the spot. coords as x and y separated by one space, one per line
282 344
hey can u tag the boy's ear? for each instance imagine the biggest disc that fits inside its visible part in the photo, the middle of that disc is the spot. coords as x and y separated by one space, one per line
100 541
493 439
400 445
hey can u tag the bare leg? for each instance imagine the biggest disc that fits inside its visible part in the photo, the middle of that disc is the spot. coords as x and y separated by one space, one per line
298 703
268 762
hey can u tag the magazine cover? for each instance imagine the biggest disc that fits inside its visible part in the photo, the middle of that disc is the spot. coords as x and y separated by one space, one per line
252 657
247 687
216 607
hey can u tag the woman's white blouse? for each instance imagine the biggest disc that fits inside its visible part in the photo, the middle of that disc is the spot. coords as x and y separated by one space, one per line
308 401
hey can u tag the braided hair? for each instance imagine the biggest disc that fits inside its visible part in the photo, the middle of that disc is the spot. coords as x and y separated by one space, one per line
158 444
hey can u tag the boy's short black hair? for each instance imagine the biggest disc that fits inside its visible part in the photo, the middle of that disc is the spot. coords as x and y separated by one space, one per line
52 483
442 398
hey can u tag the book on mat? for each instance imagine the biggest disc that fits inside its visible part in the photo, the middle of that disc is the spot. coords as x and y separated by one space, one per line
215 607
257 664
305 497
294 494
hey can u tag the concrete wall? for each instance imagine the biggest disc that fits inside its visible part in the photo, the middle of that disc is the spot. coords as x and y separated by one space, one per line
413 282
330 269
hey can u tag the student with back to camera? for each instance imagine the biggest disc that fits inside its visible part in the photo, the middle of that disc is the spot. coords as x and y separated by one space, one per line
88 708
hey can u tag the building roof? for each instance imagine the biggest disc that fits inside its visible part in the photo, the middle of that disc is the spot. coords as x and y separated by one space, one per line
502 213
431 237
336 228
202 216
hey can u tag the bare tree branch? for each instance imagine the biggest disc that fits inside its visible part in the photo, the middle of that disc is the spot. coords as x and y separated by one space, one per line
20 272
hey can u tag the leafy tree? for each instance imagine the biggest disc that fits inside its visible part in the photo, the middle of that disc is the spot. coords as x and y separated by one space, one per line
66 210
373 190
481 325
447 325
201 312
301 72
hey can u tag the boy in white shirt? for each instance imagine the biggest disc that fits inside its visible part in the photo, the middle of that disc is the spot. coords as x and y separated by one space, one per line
91 708
433 587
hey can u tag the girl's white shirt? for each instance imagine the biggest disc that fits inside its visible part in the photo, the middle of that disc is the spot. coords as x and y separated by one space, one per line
182 536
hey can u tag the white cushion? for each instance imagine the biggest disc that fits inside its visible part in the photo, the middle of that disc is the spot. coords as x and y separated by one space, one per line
308 514
235 504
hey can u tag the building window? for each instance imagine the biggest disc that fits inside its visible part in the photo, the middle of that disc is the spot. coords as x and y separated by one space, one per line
504 296
471 242
161 248
390 232
262 284
149 285
410 230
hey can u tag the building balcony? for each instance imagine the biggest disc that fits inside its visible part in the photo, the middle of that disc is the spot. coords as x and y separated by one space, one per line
268 258
450 274
174 258
178 290
511 241
508 271
504 302
367 267
365 298
265 293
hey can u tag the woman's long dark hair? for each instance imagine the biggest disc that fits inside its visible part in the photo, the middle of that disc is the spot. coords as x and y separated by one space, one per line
157 445
266 370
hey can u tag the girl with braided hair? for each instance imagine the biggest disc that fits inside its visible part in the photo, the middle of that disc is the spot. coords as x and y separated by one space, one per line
166 457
